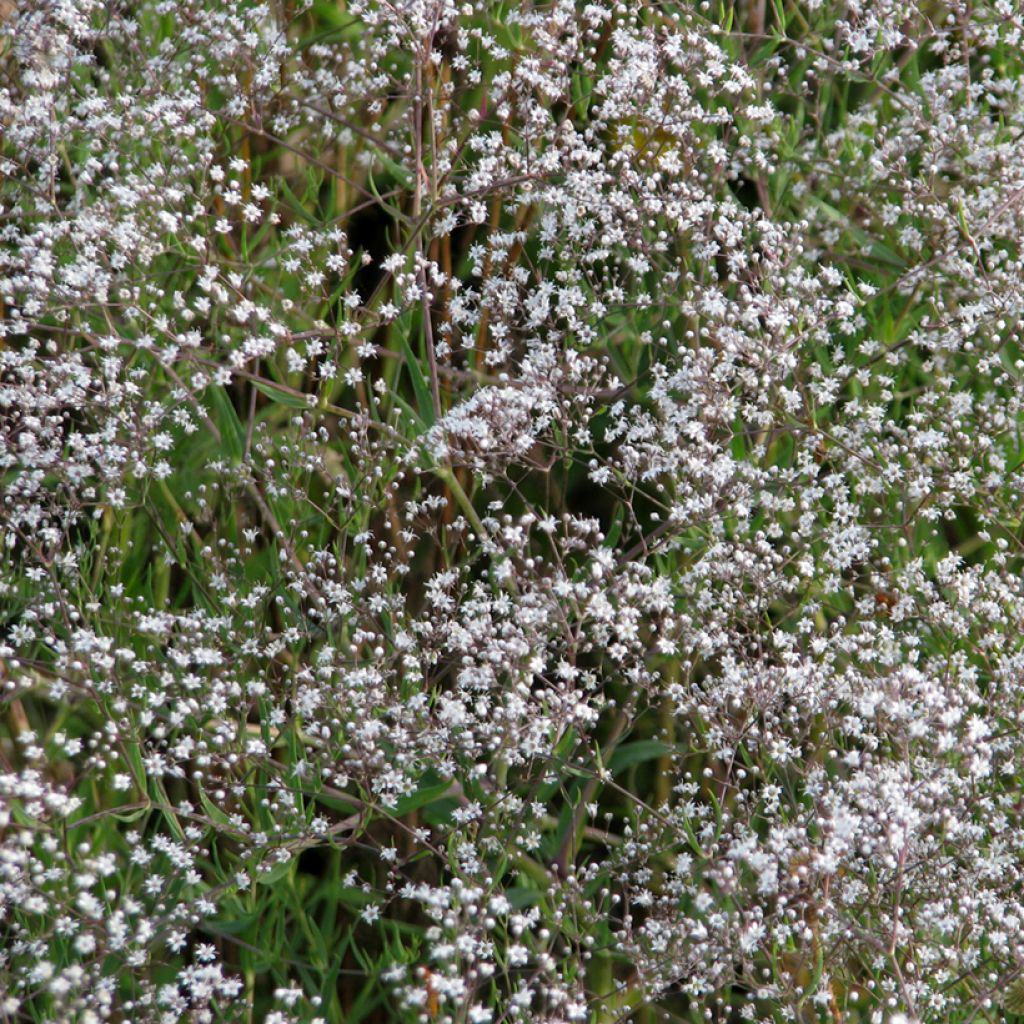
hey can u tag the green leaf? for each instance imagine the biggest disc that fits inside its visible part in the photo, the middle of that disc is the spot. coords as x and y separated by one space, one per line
330 14
276 873
158 793
230 426
582 88
414 416
553 841
351 895
879 250
422 797
337 803
521 896
281 396
370 995
615 530
213 811
230 925
295 203
384 204
637 752
395 169
1013 1000
424 401
133 750
133 815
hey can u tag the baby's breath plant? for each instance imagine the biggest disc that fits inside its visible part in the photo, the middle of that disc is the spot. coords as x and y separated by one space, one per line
511 511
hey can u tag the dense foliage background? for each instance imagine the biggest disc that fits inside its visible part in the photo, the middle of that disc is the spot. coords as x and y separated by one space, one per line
511 511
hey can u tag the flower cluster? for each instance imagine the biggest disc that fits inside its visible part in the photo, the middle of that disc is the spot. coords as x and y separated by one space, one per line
511 512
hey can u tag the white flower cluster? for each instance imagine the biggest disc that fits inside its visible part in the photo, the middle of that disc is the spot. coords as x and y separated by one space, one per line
519 503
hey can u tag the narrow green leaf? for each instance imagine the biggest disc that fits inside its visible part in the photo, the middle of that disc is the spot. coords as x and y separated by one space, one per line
295 203
280 396
213 811
582 88
422 798
230 426
275 874
424 401
395 169
615 530
637 752
133 815
230 925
